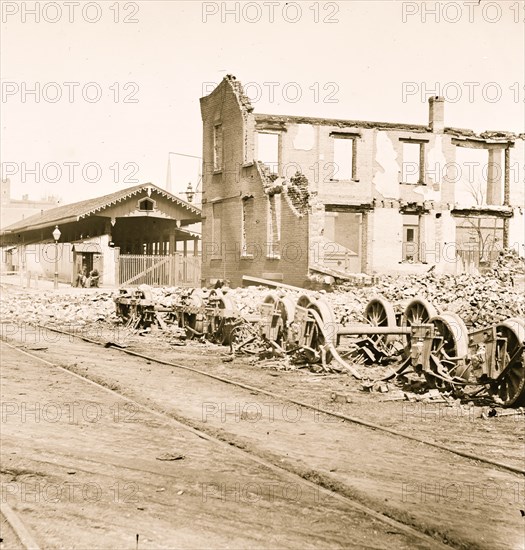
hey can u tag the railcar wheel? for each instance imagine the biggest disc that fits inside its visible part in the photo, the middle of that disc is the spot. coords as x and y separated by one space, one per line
245 339
324 334
287 309
449 350
271 298
192 321
304 301
123 311
221 326
419 311
380 313
279 329
510 361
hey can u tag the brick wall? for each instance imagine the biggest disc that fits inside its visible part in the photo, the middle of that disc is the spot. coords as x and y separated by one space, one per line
240 178
375 189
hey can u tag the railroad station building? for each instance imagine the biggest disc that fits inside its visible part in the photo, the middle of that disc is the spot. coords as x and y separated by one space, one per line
289 196
142 234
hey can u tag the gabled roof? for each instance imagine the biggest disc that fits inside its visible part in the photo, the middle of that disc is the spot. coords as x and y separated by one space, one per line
78 210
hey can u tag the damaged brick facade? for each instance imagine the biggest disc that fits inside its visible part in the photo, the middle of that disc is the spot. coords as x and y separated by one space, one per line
341 196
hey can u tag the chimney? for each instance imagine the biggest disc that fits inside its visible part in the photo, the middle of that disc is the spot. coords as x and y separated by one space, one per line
436 114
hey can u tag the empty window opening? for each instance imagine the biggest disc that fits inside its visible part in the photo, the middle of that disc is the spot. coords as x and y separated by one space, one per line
344 158
274 226
247 226
268 150
478 176
413 165
479 239
217 147
411 223
343 234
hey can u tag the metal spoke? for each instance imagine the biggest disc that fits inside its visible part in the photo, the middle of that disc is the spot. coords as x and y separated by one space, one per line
510 387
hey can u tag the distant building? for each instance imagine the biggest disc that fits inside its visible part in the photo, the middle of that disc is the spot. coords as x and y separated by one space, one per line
14 210
288 196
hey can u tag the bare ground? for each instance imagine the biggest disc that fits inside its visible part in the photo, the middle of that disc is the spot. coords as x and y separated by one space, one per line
436 491
82 468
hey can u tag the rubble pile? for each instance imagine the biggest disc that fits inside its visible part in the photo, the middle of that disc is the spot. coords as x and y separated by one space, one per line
297 191
247 300
60 310
235 318
509 267
348 306
479 300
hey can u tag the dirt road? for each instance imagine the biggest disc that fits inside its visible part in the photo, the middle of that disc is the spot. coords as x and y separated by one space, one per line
85 469
434 491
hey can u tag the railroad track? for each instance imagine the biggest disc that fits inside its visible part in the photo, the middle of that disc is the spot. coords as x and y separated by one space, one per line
310 406
17 526
324 488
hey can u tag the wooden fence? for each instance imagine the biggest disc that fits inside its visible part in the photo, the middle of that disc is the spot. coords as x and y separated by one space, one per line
159 270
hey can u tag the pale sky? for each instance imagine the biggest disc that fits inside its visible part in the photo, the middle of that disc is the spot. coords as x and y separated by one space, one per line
376 60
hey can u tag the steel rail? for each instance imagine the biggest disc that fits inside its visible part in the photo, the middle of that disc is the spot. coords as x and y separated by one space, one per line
324 486
352 419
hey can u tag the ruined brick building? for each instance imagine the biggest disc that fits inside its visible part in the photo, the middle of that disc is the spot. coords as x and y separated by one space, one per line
288 196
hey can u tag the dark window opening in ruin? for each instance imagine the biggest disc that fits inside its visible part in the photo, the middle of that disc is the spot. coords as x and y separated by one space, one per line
413 163
344 158
146 205
479 175
217 147
479 239
268 150
411 233
343 233
274 226
247 226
